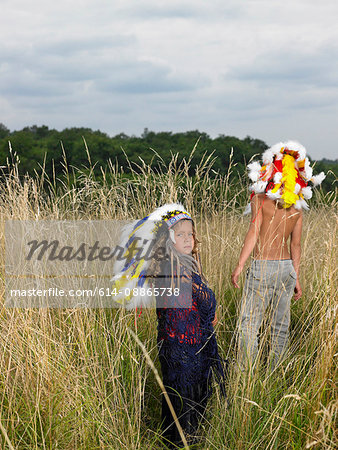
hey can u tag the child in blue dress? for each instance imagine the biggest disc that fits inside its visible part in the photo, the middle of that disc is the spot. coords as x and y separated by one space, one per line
186 339
186 311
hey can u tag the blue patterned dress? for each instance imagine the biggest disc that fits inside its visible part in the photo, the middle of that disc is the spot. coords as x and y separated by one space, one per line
188 353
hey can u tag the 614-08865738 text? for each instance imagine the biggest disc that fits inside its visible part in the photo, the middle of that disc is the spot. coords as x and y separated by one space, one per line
143 292
100 291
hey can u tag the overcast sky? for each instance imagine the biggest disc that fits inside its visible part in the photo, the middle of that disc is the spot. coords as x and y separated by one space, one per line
264 68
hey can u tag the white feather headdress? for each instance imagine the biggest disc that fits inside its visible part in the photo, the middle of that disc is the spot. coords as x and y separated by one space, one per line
131 269
284 175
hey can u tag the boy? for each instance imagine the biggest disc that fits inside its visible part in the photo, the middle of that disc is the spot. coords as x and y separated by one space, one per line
279 190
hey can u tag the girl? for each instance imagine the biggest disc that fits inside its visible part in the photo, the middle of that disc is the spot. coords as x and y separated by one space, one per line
185 311
186 340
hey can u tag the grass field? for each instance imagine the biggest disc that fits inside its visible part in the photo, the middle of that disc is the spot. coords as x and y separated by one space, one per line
77 379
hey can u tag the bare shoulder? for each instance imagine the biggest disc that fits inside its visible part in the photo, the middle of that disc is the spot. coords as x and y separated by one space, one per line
297 215
296 212
277 208
257 200
293 214
269 204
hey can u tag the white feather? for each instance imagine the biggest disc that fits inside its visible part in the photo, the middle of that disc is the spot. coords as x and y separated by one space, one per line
259 186
126 230
297 188
301 204
307 169
255 166
277 177
274 195
298 205
136 301
162 210
269 154
254 169
317 179
172 235
307 192
143 237
247 209
297 147
254 176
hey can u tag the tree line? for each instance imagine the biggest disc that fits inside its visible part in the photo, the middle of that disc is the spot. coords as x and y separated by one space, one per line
38 145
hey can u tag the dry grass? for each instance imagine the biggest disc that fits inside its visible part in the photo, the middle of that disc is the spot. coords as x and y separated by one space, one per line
73 379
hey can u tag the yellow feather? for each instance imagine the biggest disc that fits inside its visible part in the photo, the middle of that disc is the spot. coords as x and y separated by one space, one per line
275 189
289 180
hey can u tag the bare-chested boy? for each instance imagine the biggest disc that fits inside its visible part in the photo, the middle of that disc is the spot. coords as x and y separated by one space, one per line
279 190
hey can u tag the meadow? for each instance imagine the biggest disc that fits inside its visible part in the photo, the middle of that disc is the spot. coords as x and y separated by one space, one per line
78 378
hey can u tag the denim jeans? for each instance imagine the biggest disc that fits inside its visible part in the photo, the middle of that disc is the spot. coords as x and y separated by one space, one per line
268 282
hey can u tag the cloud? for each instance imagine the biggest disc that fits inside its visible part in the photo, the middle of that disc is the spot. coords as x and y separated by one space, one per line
64 47
65 66
307 67
223 67
198 10
143 77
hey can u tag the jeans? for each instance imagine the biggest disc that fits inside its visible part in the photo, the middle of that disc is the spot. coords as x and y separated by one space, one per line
268 282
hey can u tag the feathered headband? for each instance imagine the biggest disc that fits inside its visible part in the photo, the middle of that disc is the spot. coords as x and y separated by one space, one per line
284 175
131 270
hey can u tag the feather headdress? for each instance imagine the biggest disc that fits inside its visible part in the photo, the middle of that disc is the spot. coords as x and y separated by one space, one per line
137 241
284 175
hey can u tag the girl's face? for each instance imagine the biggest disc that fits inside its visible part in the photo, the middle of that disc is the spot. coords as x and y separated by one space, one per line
184 237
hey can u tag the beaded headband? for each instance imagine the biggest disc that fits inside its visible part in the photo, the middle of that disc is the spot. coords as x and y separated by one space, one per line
174 218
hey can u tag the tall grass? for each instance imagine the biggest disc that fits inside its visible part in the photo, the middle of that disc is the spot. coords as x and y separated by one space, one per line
73 378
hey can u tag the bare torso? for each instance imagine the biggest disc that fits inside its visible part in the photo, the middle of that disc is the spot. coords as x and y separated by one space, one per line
276 228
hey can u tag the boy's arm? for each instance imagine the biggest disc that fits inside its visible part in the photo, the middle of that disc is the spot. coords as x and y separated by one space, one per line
250 238
295 250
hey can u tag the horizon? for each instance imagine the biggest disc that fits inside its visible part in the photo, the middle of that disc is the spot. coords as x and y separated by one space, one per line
130 136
